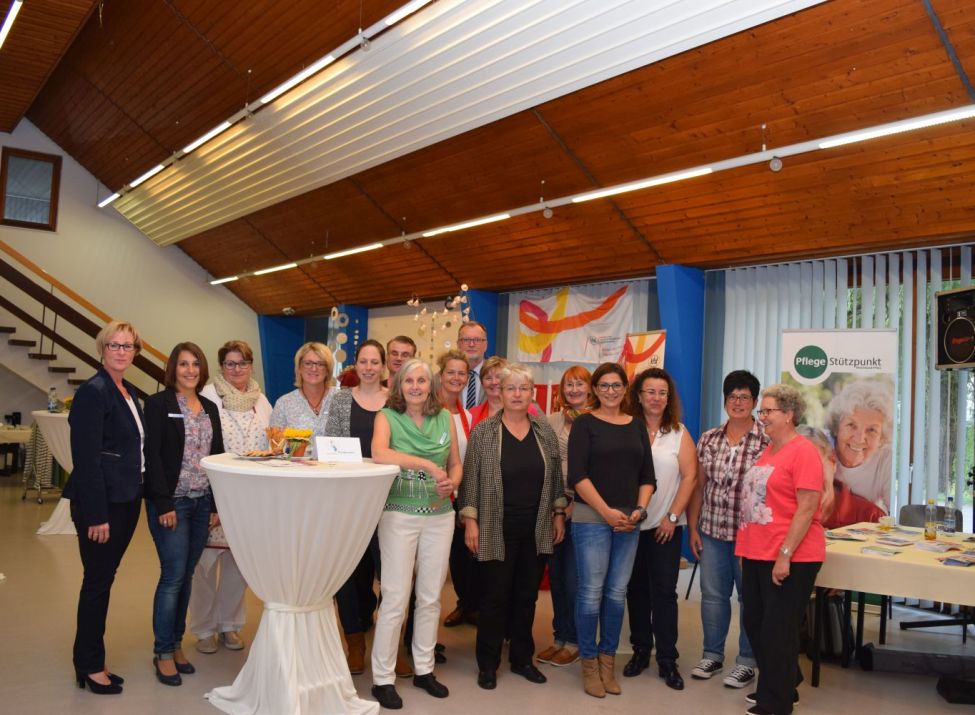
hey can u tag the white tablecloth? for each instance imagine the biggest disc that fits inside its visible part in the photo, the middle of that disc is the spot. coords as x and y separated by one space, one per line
14 435
57 434
297 533
912 573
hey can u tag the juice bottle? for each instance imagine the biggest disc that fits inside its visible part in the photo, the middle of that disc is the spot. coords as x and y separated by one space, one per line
931 521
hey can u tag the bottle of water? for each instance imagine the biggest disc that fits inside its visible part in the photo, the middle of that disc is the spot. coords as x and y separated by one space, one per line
52 400
950 516
931 521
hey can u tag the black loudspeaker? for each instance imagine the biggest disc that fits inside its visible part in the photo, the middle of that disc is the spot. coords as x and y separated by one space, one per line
956 328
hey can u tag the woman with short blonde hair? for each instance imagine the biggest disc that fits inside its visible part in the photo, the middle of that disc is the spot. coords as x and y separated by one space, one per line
307 406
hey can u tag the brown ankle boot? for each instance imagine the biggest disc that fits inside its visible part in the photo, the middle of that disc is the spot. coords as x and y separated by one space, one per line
404 665
607 674
591 682
357 652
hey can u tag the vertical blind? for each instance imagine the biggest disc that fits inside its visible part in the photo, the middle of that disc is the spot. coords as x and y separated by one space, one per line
894 290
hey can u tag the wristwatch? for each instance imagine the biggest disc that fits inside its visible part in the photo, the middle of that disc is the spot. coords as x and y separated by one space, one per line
643 513
671 517
785 551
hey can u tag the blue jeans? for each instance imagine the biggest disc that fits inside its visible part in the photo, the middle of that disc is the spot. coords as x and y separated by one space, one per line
562 581
179 551
720 572
604 559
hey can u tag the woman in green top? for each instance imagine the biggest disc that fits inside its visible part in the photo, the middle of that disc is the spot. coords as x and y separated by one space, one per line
415 433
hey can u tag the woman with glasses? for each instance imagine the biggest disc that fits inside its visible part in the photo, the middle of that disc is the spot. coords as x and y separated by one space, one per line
182 427
513 505
307 407
782 546
217 600
105 489
652 592
573 398
353 414
611 471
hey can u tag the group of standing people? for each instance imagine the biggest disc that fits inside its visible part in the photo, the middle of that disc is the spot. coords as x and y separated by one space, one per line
601 490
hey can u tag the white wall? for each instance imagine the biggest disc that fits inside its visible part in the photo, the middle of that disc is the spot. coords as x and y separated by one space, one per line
389 321
109 262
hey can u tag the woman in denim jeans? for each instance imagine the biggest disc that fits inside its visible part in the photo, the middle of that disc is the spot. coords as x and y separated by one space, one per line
611 471
182 427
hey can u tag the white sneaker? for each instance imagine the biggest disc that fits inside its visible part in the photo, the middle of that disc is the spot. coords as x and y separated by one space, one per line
741 676
706 668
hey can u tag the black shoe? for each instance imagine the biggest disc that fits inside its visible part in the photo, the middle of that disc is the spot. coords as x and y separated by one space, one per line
752 698
429 683
116 679
637 664
668 671
185 668
97 688
529 672
387 697
438 654
487 679
166 679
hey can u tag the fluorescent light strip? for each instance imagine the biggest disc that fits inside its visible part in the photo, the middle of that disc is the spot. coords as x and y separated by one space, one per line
148 175
297 79
9 21
218 281
351 251
408 9
645 184
219 129
105 202
284 267
466 224
904 125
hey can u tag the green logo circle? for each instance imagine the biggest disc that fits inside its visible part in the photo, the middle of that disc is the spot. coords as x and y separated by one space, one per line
811 361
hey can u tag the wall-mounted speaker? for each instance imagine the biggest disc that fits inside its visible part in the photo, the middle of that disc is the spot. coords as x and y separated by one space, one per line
956 328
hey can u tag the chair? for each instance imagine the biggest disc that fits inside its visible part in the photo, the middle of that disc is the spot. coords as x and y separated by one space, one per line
914 515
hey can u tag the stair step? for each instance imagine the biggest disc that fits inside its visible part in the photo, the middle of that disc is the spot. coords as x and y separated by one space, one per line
76 381
7 329
42 356
66 370
22 343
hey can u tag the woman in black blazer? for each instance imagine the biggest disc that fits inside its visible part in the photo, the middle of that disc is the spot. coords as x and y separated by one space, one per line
105 490
182 427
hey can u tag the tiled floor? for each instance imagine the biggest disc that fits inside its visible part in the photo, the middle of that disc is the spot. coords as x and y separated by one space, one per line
37 609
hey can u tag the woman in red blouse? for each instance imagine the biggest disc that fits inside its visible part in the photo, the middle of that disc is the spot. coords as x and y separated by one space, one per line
782 546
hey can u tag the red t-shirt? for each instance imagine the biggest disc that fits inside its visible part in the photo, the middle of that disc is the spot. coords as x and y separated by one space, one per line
768 503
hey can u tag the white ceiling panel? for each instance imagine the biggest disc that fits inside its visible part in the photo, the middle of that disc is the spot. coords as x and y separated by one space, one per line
451 67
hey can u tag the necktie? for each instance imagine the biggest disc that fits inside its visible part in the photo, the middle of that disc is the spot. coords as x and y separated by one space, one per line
472 390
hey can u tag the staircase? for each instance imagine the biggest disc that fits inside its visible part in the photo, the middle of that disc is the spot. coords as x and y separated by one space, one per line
43 370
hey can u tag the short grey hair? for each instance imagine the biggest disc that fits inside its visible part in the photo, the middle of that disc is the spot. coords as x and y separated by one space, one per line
515 371
788 399
863 394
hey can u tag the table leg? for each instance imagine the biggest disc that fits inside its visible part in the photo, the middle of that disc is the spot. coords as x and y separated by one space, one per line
884 604
861 607
847 619
818 612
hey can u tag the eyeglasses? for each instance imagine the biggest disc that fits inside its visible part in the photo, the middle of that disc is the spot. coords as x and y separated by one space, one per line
231 365
768 410
610 386
654 393
739 398
512 389
314 364
472 341
124 347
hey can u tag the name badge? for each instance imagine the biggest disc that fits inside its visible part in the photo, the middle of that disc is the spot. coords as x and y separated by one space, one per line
176 415
444 437
338 449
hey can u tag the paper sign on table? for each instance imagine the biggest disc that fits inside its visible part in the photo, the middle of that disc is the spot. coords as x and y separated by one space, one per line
338 449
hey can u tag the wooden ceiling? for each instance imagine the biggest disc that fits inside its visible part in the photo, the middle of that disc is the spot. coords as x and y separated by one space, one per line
158 74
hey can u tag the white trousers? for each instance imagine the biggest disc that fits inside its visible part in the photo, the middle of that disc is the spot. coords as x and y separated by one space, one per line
405 540
217 601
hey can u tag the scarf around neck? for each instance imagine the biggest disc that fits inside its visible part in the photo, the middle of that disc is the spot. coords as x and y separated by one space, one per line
236 400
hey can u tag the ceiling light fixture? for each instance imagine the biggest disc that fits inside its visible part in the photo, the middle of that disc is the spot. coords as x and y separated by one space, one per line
275 269
644 184
106 201
148 175
408 9
219 129
904 125
218 281
352 251
297 79
466 224
9 21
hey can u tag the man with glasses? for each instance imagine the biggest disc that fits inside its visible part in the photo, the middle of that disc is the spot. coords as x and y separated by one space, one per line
472 340
398 351
725 454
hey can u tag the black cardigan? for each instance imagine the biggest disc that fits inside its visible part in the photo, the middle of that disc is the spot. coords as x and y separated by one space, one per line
165 437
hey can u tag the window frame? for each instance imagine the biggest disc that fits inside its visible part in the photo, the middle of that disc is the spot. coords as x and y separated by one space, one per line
55 161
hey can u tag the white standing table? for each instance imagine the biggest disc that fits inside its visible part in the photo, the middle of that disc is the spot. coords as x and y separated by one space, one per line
297 532
57 434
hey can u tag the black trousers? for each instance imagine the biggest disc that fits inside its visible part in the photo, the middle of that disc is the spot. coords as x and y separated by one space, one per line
651 595
772 615
508 593
463 570
357 598
100 562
